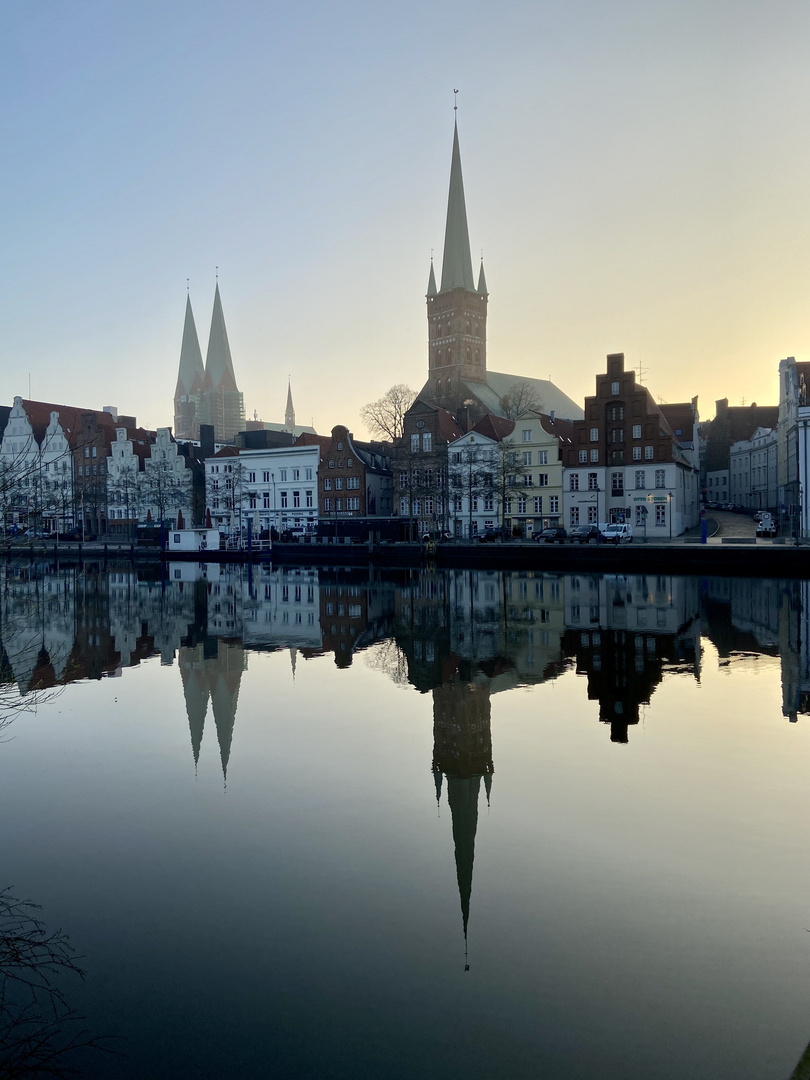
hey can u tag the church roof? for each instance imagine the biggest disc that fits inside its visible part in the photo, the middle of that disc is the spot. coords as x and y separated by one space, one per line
191 373
482 281
219 374
550 397
431 289
456 261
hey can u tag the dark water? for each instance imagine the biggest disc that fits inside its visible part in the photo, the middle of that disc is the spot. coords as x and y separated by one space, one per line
439 825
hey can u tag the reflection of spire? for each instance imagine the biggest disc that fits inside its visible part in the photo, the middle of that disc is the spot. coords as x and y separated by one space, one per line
224 680
462 795
293 658
196 694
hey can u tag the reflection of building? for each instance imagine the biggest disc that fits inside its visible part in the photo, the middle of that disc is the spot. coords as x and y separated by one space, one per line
625 632
212 672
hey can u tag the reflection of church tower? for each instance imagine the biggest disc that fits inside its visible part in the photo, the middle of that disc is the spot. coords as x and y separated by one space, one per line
212 671
462 752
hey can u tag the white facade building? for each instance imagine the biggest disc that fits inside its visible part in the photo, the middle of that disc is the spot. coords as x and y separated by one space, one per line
472 467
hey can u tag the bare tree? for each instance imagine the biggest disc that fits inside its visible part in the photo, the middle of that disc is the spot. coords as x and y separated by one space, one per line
385 416
521 397
509 475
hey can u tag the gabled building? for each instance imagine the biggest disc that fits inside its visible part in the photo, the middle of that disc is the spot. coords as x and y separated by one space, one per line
540 441
484 473
625 464
420 467
354 478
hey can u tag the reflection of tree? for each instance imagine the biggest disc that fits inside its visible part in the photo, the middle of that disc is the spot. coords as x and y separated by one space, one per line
387 657
39 1031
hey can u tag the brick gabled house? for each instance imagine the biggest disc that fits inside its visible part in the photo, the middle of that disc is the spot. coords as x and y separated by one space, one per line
354 478
626 463
420 467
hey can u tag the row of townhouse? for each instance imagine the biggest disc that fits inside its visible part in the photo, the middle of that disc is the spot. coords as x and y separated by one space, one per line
64 468
629 460
333 479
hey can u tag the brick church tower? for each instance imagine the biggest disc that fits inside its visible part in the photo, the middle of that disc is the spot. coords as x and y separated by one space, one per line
457 311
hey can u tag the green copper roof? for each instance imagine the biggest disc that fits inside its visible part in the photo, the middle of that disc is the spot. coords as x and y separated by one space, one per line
191 373
456 261
218 364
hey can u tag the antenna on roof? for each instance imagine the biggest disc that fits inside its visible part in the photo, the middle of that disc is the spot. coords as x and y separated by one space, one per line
642 371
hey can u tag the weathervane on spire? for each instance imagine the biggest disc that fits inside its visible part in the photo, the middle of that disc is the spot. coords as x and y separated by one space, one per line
455 101
216 272
187 285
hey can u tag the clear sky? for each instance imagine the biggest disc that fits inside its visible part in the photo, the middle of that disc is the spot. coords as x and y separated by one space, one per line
636 174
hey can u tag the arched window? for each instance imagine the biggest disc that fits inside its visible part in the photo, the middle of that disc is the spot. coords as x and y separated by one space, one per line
449 356
469 356
467 328
477 358
439 386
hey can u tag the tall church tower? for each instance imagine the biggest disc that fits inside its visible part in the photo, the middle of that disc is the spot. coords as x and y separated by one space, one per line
221 401
457 311
289 412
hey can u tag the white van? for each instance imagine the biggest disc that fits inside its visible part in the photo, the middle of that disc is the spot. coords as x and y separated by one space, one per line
618 534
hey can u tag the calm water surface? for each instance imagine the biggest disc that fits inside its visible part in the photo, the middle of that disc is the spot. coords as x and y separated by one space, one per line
437 825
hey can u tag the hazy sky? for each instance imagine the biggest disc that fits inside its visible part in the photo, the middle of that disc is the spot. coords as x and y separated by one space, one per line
636 174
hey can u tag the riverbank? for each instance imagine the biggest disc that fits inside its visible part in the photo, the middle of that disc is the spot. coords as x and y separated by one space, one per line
740 557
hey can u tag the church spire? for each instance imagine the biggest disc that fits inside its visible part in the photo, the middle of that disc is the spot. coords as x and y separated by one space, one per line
431 289
482 281
191 371
289 412
457 260
219 374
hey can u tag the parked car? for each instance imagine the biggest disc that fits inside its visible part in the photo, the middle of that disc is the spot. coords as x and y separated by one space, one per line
583 534
489 536
617 534
553 534
767 527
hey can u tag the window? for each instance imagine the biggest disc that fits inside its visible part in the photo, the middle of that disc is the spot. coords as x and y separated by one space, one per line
403 480
266 501
87 451
414 444
296 474
507 506
353 482
340 446
403 507
640 479
283 500
251 502
641 516
527 434
660 514
338 504
538 504
353 504
573 482
339 483
251 477
660 475
309 499
340 464
527 480
583 457
95 452
426 441
265 477
327 483
593 516
527 457
327 505
593 484
283 474
553 504
636 453
617 483
542 457
296 498
521 503
648 453
614 389
574 514
594 455
594 434
542 479
636 431
349 462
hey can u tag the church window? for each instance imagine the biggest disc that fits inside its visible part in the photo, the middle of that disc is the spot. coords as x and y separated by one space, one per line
469 355
449 356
